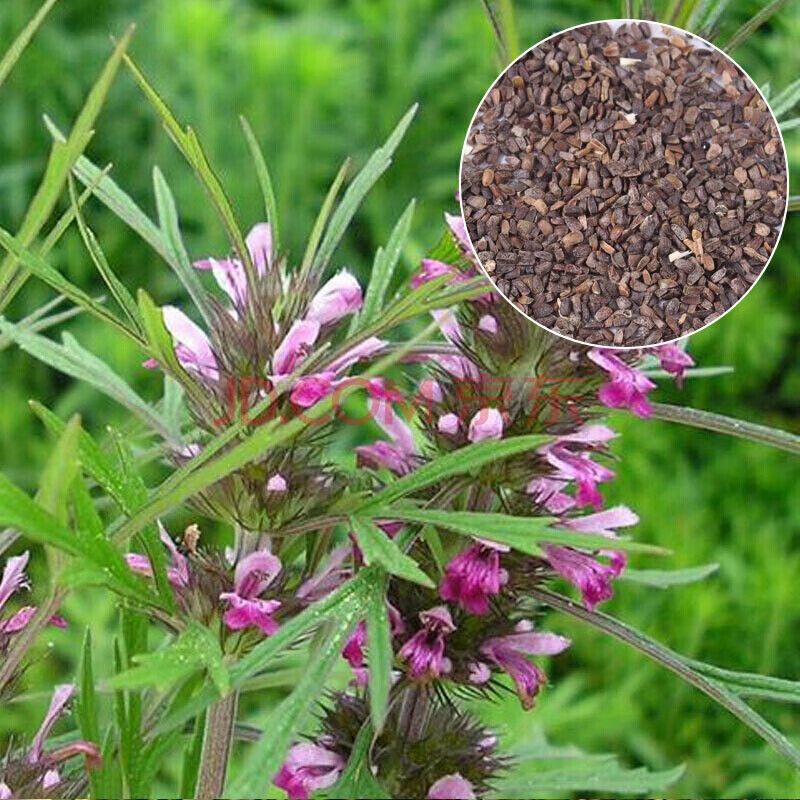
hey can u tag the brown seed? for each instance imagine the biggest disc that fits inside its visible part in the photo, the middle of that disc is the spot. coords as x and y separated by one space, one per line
761 229
488 176
540 206
572 239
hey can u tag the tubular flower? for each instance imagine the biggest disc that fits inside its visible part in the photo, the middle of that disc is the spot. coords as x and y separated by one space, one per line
424 651
177 571
627 387
307 769
14 580
674 360
340 296
509 654
192 346
473 576
253 574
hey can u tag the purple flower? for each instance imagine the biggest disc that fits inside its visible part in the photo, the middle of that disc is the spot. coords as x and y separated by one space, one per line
307 769
548 493
674 360
452 787
627 388
473 576
366 349
253 574
448 325
5 791
424 651
13 577
486 424
459 229
400 455
592 577
332 575
294 348
230 273
192 346
509 654
460 367
177 571
578 467
340 296
309 391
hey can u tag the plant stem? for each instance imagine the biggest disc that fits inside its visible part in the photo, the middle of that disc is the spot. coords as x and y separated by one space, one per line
697 418
217 747
413 713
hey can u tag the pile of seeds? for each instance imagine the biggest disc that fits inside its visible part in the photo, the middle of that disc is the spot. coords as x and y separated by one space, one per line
623 186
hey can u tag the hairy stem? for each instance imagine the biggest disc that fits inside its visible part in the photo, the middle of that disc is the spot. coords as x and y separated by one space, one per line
217 747
413 713
710 421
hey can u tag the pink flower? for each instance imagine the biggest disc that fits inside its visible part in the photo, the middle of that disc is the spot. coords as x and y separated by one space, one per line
5 791
548 493
592 577
177 571
340 296
332 575
424 651
578 467
353 651
21 619
448 424
62 695
400 455
460 367
13 577
307 769
627 388
431 269
192 346
486 424
294 348
459 229
253 574
674 360
509 654
431 390
230 273
448 325
309 391
473 576
365 350
452 787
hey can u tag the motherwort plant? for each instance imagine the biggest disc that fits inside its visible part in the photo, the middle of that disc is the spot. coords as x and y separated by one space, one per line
361 607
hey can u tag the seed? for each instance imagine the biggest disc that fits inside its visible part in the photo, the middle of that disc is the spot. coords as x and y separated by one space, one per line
620 196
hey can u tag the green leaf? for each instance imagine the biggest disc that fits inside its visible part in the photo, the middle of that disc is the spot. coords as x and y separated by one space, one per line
36 265
467 459
265 182
786 100
379 549
179 257
344 603
708 420
748 684
86 708
60 471
753 24
62 158
11 56
377 164
191 149
77 362
677 664
383 270
115 199
321 221
381 657
664 578
357 779
115 285
266 755
197 648
522 533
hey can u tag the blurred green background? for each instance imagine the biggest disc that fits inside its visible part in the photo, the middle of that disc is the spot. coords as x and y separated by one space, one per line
322 79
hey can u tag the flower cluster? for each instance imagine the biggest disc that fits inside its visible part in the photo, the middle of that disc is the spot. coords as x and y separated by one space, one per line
34 771
497 377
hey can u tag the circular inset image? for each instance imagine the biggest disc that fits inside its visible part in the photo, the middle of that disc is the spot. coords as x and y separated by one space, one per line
624 183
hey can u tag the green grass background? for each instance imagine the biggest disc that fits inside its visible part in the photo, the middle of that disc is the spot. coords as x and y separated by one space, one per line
321 79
